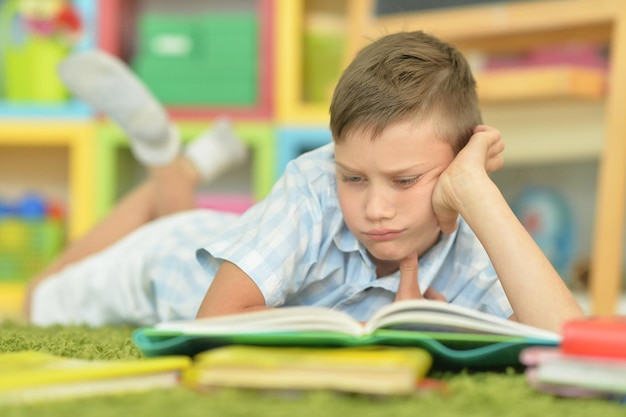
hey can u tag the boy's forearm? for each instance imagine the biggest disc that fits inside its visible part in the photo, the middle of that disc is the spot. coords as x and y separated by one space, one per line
206 310
537 293
231 292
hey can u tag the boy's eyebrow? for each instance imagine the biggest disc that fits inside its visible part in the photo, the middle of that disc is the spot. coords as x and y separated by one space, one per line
386 172
342 166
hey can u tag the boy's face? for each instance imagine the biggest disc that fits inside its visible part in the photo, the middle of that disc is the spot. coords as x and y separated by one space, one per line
385 188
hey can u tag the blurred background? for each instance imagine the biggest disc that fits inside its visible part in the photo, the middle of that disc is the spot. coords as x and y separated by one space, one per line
270 65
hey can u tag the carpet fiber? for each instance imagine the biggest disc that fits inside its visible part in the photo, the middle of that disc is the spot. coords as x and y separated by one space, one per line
483 394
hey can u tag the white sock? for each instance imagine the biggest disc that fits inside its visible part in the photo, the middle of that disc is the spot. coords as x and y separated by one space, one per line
108 86
216 150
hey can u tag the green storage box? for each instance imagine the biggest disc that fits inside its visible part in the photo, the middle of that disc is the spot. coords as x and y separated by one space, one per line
210 59
322 61
27 246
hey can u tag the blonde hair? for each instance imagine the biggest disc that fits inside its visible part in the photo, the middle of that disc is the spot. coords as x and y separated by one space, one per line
407 76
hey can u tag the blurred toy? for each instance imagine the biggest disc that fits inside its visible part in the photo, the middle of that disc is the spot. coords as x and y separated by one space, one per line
31 235
5 209
31 207
51 18
35 36
547 217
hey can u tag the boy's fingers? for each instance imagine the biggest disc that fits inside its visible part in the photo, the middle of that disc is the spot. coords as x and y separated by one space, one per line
495 163
431 294
449 224
490 139
408 288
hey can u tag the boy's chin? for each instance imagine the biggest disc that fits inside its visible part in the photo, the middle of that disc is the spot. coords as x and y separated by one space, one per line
387 255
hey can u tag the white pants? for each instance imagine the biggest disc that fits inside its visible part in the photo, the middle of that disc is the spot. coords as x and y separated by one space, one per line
151 275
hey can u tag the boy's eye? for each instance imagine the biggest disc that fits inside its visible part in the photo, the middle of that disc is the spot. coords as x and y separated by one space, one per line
405 182
351 179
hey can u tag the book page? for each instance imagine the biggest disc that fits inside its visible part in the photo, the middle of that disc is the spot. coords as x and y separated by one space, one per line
436 316
273 320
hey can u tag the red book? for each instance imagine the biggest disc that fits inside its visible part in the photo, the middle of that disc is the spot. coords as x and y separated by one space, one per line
601 337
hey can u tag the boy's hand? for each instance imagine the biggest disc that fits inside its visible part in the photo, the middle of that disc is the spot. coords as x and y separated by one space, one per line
482 154
409 287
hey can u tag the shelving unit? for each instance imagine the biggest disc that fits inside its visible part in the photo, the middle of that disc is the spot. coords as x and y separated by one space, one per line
530 105
48 123
515 26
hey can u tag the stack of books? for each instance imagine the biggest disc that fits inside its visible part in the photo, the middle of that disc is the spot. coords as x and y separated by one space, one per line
291 348
31 376
589 362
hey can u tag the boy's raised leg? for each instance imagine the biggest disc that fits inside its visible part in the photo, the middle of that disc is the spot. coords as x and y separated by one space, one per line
111 88
106 84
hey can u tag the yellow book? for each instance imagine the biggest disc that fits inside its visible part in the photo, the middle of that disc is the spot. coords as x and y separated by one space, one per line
366 370
36 376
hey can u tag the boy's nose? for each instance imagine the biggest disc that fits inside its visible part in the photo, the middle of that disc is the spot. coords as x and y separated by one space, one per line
378 205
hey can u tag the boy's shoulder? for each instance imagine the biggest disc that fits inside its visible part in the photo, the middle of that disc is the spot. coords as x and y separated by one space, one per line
324 153
310 179
316 163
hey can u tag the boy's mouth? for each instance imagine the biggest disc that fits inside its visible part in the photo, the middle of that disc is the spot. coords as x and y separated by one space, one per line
381 235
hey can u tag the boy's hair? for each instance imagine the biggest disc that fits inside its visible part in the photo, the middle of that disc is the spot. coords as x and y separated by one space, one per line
407 76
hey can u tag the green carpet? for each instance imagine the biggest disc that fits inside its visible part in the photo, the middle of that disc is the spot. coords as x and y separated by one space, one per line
483 394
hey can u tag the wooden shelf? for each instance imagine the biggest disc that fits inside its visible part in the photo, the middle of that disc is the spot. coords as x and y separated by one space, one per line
544 132
507 26
541 83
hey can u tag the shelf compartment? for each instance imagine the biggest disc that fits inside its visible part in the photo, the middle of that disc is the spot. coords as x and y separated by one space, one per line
78 137
118 18
548 131
258 136
291 15
294 141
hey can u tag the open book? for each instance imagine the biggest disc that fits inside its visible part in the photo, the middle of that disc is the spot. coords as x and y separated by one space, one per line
454 335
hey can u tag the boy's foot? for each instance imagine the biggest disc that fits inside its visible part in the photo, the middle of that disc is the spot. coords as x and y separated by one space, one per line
108 86
216 150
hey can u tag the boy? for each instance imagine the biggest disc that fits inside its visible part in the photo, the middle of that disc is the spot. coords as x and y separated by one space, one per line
399 206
